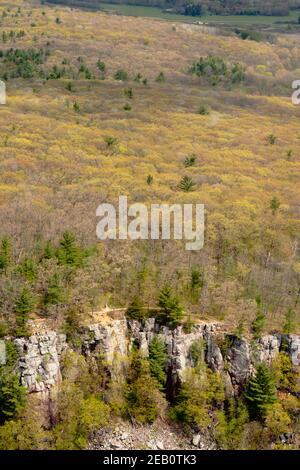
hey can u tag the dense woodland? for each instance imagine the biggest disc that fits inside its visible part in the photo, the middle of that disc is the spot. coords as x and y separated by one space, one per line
160 113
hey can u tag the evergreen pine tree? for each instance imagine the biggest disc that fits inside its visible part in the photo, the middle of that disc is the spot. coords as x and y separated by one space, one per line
24 304
12 396
259 322
28 269
149 179
172 311
157 360
261 392
135 311
142 394
5 253
49 251
290 322
69 253
55 293
196 284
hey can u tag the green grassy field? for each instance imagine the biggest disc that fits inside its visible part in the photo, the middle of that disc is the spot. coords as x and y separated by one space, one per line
239 20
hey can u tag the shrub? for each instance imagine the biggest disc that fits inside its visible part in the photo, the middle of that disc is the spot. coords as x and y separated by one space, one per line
76 107
201 392
271 139
110 141
274 205
251 35
282 370
190 161
160 77
197 352
277 420
69 86
203 110
77 417
93 413
102 69
121 75
129 93
231 424
25 433
149 179
187 184
138 78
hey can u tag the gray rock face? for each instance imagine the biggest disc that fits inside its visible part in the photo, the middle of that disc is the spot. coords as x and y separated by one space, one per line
238 358
178 343
39 363
109 339
294 349
267 349
213 356
40 355
142 334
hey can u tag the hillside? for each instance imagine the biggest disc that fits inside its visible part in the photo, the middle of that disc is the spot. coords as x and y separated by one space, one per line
56 167
101 105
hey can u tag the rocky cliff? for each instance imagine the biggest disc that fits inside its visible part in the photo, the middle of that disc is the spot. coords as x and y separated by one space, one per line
40 355
39 360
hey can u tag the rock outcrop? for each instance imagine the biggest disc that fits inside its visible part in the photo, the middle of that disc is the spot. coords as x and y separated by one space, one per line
293 348
239 360
267 348
40 354
178 347
108 340
39 362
